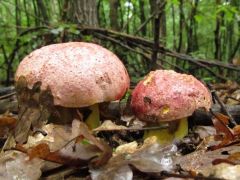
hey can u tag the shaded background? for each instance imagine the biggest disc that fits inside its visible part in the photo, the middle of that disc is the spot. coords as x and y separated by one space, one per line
193 36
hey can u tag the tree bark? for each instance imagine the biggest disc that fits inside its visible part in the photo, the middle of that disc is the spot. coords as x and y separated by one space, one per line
217 33
17 16
82 12
37 22
26 12
43 11
114 4
181 25
142 17
174 28
192 38
159 29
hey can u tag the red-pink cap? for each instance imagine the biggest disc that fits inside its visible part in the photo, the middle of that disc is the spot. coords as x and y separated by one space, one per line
79 74
165 95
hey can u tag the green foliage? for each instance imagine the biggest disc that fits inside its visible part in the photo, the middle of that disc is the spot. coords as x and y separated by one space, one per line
17 19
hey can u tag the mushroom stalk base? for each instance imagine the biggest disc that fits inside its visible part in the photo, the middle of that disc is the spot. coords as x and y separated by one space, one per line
167 136
93 120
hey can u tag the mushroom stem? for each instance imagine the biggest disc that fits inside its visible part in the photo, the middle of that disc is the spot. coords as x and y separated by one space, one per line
166 136
93 120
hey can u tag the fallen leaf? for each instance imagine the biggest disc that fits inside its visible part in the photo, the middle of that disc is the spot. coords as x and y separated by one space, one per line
7 121
149 157
17 165
220 124
80 151
109 126
224 171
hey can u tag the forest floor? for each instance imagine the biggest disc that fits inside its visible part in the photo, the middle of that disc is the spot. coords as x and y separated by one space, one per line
211 150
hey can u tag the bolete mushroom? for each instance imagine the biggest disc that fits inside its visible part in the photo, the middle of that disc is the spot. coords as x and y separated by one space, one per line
165 96
78 74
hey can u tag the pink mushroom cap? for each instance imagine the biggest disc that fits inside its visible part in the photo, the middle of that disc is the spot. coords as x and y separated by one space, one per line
165 95
77 73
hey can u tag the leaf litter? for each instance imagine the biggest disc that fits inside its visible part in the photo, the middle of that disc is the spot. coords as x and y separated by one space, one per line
207 152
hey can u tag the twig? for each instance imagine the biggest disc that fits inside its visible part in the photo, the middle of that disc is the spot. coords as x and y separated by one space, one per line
230 97
223 108
150 17
150 44
170 53
7 95
121 44
164 126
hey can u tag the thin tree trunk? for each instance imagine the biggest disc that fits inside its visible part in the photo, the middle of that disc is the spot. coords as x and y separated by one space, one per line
43 11
128 18
217 33
17 16
64 10
181 25
26 12
233 48
103 16
36 14
160 30
153 64
142 17
174 28
163 26
192 38
114 4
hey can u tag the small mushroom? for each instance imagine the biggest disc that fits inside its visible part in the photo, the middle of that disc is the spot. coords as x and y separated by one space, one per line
165 96
78 74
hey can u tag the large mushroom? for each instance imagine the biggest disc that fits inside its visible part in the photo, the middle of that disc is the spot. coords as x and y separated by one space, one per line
77 74
165 96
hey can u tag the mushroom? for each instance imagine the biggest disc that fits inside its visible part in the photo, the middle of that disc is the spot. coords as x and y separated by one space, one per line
165 96
78 74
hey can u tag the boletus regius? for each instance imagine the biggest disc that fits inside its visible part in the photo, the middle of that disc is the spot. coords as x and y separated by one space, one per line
75 75
165 96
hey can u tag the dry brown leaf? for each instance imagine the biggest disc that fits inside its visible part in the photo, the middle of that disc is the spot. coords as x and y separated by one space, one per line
81 150
15 165
224 133
109 126
7 121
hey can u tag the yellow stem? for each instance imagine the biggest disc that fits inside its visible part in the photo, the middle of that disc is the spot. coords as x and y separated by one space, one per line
164 136
93 120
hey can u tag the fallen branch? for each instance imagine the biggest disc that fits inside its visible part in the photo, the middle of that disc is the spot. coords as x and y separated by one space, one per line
147 43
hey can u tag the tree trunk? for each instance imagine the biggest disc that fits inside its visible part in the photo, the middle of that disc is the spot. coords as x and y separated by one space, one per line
82 12
142 17
217 32
192 38
114 4
17 16
26 12
174 28
159 29
37 23
43 11
181 25
233 48
163 26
